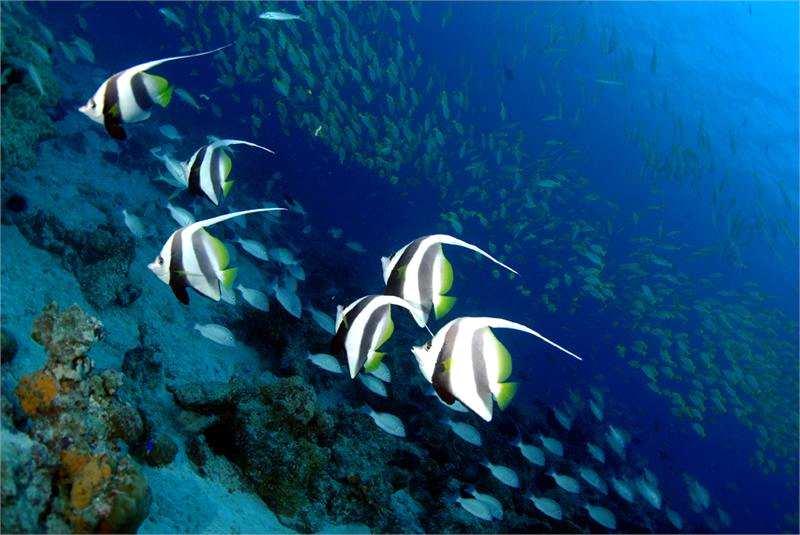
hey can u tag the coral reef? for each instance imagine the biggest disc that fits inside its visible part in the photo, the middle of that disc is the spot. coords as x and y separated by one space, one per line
8 345
69 470
29 88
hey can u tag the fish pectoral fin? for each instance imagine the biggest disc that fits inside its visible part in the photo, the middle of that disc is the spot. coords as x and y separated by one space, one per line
443 305
180 292
374 361
505 393
227 276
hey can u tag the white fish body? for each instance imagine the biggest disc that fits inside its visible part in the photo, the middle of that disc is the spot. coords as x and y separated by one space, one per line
324 321
475 507
278 16
465 432
531 453
329 363
388 423
552 445
254 248
547 506
602 516
134 224
216 333
181 216
254 298
373 384
565 482
491 503
382 372
503 474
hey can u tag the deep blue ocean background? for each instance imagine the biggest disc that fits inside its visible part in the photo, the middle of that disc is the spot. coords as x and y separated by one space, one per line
727 71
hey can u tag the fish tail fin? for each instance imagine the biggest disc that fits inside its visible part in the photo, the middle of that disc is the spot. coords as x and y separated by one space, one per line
227 276
443 304
505 393
226 187
374 361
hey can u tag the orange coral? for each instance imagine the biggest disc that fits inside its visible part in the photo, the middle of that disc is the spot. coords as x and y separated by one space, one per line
36 392
72 461
88 481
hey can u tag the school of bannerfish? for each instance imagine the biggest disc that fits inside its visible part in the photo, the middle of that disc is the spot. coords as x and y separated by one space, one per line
129 96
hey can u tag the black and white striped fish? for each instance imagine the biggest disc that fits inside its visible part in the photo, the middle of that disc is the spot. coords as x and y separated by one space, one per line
206 172
362 328
420 274
128 96
464 361
193 258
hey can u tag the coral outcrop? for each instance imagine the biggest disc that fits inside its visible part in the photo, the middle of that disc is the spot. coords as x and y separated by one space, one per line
69 470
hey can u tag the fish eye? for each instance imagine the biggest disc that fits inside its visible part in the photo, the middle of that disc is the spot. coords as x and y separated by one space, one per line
92 105
428 345
160 260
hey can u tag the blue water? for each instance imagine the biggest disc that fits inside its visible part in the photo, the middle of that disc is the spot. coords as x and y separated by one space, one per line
623 75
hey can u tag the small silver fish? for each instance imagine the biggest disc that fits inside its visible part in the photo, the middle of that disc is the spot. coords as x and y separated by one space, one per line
373 384
254 248
134 224
278 15
181 216
329 363
216 333
388 423
254 298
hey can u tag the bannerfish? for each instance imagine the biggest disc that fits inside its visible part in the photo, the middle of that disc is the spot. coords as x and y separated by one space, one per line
531 453
216 333
191 257
565 482
329 363
552 445
465 361
382 372
547 506
128 96
254 298
278 15
475 507
323 321
503 474
206 172
491 503
254 248
465 432
373 384
134 224
602 516
362 328
420 274
388 423
181 216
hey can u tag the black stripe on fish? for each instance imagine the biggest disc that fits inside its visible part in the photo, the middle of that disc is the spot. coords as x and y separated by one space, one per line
441 373
479 369
216 181
194 175
337 344
140 93
112 113
369 333
394 285
177 279
203 261
425 278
